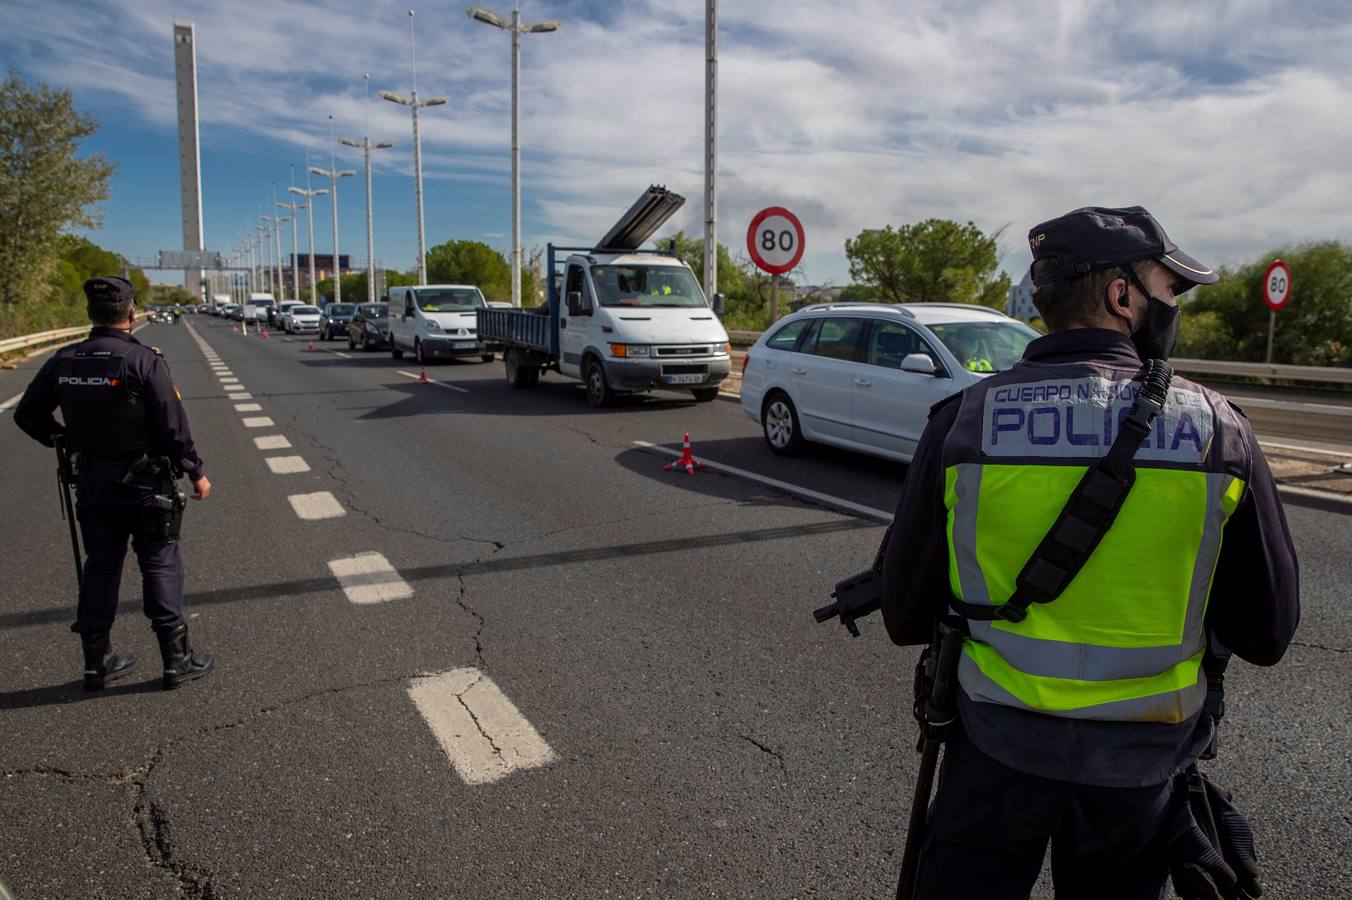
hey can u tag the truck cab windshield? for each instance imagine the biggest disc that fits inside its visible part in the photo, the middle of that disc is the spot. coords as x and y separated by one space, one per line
448 299
639 285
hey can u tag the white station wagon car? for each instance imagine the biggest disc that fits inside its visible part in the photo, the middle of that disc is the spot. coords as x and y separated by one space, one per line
863 376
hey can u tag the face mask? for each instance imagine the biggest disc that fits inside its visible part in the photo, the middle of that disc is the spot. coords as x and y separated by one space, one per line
1155 337
1158 333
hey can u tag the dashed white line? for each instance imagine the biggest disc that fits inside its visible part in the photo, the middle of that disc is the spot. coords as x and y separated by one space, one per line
240 395
319 505
840 502
248 407
271 442
482 733
258 422
12 401
449 387
287 465
369 578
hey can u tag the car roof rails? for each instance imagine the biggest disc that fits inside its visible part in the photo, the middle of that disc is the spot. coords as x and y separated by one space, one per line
975 306
649 213
859 304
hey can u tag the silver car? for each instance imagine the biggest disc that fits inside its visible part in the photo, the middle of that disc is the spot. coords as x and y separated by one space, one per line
863 376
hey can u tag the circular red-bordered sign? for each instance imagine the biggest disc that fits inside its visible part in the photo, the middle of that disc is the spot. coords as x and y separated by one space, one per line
1277 285
775 240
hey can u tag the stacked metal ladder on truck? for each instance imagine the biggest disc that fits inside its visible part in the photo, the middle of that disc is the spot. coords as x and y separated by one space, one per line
649 213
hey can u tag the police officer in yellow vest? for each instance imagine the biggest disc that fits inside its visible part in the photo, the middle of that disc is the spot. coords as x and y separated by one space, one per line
1076 717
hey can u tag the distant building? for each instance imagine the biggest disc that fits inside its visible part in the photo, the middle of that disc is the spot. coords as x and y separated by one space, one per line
1020 303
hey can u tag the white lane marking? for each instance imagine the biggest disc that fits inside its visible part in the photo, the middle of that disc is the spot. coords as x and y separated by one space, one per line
224 374
483 734
319 505
287 465
1321 451
257 422
12 401
369 578
1314 494
869 511
271 442
335 352
248 407
232 387
449 387
241 395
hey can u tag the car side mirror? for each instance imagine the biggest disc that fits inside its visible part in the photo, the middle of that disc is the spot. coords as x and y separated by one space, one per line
575 307
720 304
920 363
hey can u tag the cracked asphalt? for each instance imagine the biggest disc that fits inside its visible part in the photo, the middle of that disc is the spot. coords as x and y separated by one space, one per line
654 628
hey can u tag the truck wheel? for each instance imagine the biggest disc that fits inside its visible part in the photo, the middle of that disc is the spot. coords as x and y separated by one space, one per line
517 375
779 422
704 395
418 353
487 357
533 376
599 393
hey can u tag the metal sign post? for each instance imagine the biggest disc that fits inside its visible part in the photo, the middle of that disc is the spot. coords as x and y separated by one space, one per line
1276 294
775 242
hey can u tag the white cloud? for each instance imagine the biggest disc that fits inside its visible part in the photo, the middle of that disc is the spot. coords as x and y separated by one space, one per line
1227 118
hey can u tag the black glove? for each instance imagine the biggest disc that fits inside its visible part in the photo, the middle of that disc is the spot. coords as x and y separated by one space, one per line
1203 869
1236 840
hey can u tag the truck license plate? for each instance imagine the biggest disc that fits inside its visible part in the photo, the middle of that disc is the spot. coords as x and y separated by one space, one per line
684 379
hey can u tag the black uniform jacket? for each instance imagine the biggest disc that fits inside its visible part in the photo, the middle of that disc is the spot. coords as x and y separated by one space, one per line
1254 607
148 377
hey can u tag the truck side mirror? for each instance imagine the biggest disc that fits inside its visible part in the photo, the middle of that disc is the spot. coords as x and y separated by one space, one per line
720 304
575 307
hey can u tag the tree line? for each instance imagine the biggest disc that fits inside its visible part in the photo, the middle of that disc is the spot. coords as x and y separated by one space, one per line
48 189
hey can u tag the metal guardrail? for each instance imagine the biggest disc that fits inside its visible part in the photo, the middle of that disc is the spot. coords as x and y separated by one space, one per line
1312 374
41 339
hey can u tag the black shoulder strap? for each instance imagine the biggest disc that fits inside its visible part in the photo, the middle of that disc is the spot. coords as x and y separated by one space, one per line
1090 511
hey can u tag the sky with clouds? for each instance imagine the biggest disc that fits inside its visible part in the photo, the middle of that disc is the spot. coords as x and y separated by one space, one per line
1231 121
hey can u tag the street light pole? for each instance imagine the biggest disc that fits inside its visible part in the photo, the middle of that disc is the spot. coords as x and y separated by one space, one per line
333 175
415 104
367 146
294 207
269 239
711 149
309 207
488 17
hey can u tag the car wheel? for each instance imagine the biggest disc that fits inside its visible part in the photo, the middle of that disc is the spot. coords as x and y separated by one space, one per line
779 422
599 393
704 395
351 342
487 357
395 351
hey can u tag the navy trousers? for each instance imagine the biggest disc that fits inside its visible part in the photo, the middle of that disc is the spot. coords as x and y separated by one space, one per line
110 514
990 826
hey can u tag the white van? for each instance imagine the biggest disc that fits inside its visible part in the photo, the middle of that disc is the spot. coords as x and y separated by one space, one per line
436 321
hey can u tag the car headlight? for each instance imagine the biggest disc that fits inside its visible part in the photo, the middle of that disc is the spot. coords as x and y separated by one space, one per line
433 326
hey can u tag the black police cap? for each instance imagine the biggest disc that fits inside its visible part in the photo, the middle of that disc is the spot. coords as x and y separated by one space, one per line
109 289
1097 237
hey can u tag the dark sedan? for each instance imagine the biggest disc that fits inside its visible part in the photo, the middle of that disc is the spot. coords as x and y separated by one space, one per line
370 327
333 321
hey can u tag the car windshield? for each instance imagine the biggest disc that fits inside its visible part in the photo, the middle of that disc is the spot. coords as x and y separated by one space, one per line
448 299
985 346
340 309
304 310
642 285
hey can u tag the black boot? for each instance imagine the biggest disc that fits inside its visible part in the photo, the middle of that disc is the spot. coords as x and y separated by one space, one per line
101 664
180 662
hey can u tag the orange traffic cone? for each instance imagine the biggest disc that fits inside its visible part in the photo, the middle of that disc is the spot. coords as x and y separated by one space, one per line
309 346
422 375
687 460
234 327
265 334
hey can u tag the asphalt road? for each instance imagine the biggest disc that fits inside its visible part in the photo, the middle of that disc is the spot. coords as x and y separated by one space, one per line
704 736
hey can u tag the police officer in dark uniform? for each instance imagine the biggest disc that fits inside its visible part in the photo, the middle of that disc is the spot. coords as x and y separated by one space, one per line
1078 714
128 436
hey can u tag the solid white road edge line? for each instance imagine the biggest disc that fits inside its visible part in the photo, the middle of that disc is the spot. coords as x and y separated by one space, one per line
271 442
287 465
369 578
319 505
449 387
776 483
1314 494
482 733
12 401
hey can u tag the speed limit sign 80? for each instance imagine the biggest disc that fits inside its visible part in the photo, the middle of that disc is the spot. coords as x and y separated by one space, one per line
1277 285
775 240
